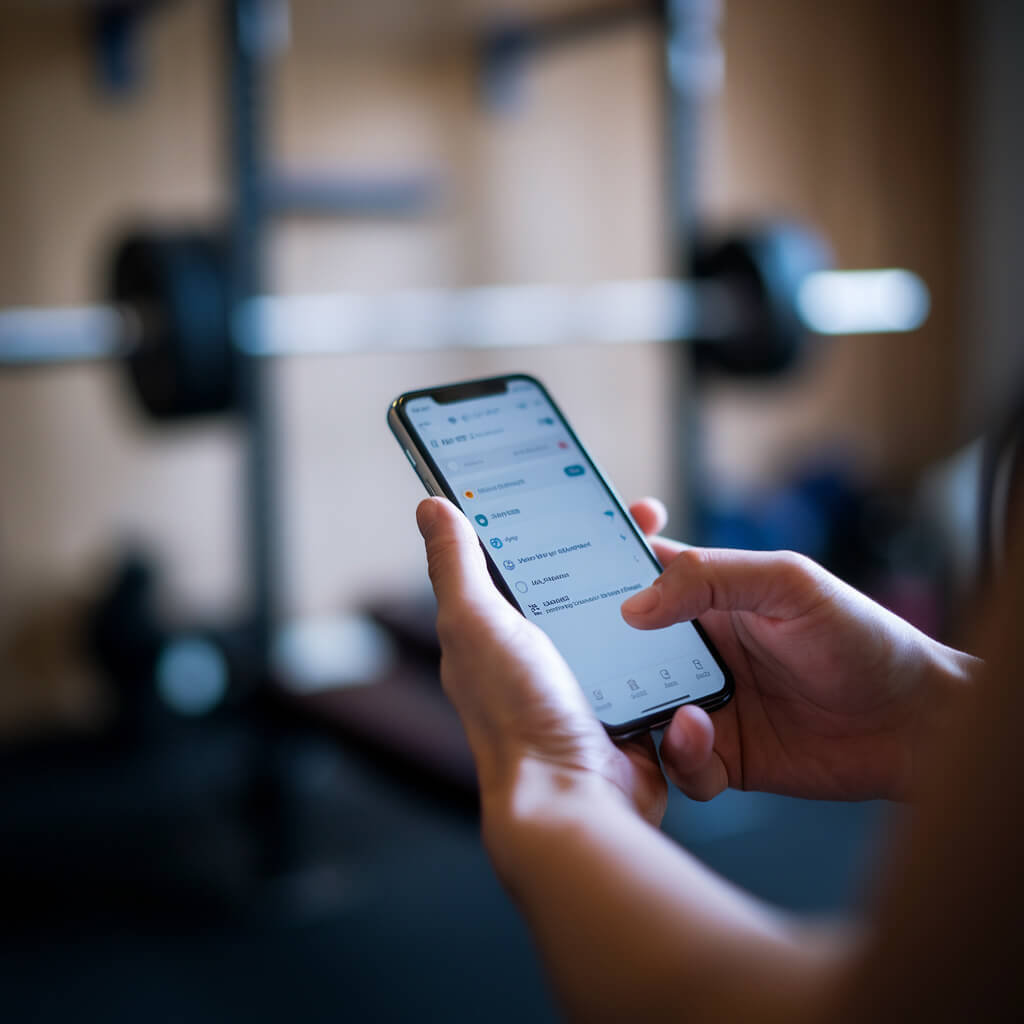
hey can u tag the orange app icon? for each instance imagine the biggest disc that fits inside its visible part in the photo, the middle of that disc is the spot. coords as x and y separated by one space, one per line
469 494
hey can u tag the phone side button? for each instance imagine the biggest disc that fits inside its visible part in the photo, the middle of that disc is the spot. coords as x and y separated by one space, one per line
412 460
431 489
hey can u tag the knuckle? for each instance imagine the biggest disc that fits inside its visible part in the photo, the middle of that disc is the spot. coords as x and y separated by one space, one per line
691 562
705 563
796 569
690 576
793 559
447 628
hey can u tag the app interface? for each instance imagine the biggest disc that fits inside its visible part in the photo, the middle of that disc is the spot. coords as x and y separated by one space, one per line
564 548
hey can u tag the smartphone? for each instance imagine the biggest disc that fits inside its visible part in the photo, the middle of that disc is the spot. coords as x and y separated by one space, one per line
559 543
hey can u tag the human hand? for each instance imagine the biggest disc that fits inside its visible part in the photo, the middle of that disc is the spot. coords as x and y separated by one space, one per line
831 688
518 701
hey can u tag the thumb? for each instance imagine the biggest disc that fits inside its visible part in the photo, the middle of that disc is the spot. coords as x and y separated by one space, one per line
689 757
776 584
455 562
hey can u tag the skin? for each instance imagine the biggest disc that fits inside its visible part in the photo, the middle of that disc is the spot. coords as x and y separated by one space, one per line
832 691
834 697
830 695
535 710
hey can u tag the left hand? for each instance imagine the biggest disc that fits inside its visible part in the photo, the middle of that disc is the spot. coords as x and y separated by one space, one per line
518 700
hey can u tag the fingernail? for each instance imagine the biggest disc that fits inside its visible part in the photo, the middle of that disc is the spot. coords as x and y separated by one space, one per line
644 602
426 514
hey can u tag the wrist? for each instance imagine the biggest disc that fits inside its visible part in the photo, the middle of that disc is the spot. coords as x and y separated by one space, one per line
955 669
531 803
949 674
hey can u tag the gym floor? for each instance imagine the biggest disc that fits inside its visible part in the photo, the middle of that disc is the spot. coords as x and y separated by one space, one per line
369 896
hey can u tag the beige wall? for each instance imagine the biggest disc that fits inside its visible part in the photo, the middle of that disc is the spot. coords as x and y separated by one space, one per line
848 116
836 115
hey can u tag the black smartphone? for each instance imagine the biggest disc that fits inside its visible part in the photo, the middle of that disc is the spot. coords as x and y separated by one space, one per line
560 544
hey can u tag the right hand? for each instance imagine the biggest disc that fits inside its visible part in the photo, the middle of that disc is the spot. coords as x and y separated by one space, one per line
831 689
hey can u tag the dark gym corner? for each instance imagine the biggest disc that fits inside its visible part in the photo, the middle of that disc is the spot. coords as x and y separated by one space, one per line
230 787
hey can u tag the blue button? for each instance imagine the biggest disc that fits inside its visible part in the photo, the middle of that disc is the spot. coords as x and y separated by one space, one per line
574 471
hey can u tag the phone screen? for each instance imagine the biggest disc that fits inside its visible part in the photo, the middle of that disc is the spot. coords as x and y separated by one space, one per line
564 546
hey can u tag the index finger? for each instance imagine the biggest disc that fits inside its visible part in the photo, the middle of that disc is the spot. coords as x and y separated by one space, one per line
667 550
650 515
775 584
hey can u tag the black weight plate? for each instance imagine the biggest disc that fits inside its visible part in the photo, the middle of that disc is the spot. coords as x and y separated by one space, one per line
185 364
762 268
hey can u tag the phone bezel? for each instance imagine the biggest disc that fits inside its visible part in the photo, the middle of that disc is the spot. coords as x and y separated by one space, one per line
447 394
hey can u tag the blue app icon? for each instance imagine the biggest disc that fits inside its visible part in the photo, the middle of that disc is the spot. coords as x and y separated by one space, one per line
509 564
481 519
496 542
574 471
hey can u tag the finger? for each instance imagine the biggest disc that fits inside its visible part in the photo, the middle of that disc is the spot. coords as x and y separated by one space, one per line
458 571
650 515
646 785
689 757
776 584
666 550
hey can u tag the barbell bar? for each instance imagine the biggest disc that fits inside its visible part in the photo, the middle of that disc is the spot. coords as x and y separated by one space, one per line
752 304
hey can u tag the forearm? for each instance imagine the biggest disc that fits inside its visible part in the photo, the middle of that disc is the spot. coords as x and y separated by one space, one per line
628 923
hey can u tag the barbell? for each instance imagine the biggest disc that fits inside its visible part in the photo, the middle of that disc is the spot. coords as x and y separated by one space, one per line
752 306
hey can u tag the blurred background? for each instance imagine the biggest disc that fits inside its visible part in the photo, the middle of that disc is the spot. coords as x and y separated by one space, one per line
234 231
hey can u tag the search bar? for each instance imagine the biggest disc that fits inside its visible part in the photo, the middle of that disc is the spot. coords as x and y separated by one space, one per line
507 455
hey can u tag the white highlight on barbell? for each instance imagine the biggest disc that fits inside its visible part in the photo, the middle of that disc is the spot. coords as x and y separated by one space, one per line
487 317
608 312
863 301
66 334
